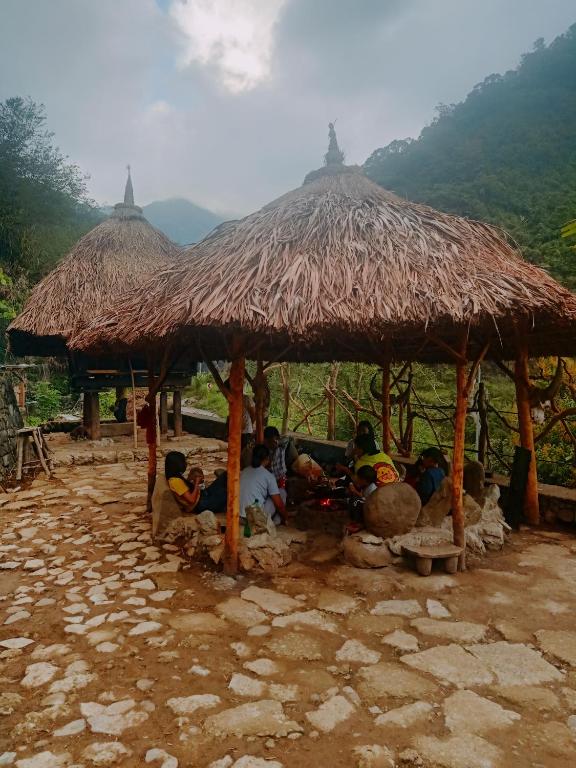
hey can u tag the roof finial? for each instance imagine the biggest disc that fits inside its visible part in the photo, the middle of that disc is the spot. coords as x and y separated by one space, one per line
128 192
334 156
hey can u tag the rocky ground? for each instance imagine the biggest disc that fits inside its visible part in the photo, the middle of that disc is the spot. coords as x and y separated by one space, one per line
115 652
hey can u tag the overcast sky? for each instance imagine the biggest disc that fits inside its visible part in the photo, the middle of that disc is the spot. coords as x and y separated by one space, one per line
226 102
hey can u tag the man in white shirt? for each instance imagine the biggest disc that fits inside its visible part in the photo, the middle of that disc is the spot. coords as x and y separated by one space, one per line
258 484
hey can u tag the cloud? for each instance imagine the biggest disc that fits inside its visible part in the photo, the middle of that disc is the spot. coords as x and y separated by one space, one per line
233 112
234 37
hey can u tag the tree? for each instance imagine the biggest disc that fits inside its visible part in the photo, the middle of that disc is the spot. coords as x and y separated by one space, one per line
44 206
43 199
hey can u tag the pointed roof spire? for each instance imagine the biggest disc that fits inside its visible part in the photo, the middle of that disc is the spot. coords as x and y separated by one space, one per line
129 191
334 156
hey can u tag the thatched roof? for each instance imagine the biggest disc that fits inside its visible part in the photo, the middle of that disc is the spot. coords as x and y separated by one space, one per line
335 268
116 256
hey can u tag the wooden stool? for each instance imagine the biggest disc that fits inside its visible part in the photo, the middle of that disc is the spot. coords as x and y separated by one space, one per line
31 439
424 555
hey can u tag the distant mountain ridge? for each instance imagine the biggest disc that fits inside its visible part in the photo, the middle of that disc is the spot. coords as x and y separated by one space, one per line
183 221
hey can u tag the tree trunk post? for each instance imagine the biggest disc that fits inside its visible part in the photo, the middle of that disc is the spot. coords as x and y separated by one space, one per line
386 406
163 412
522 382
235 410
177 409
259 385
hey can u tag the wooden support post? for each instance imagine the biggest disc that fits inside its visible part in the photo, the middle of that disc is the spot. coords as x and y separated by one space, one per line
285 374
330 389
134 422
92 415
259 385
522 383
177 409
163 412
86 410
386 406
151 436
483 417
235 411
458 461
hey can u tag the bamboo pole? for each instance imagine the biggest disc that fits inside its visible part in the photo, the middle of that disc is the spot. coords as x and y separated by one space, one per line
522 383
134 422
457 501
386 406
235 410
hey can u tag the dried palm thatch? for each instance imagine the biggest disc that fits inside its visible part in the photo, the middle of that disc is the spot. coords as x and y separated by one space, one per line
117 255
335 268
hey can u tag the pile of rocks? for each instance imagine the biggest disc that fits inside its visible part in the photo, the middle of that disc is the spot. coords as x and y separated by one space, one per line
395 518
201 537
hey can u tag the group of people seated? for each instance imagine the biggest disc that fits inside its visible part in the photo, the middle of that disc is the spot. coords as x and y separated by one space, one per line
262 479
265 468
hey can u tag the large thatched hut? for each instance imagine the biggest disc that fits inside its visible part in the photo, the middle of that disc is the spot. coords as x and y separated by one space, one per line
118 255
341 269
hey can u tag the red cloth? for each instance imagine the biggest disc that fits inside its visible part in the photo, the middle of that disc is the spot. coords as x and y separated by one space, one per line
146 419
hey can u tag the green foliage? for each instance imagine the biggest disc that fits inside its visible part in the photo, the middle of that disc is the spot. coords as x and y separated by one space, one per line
44 207
505 155
45 400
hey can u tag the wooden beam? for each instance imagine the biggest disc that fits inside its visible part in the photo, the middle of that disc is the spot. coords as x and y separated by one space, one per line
235 412
177 409
522 383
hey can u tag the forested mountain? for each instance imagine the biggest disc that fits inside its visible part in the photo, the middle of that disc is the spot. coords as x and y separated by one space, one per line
507 155
183 221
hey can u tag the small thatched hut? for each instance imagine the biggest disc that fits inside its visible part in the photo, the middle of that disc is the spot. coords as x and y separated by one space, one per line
341 269
118 255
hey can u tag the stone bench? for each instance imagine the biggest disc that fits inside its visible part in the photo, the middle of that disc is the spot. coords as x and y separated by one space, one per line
424 555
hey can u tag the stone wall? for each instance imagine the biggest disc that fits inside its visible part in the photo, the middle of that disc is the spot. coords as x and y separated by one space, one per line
10 423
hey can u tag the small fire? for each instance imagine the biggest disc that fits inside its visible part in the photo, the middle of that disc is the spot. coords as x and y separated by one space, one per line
325 502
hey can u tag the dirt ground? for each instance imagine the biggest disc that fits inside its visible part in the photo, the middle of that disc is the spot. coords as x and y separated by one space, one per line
111 648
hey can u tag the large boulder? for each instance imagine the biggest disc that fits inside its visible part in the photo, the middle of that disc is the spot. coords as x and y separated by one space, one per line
391 510
366 551
438 508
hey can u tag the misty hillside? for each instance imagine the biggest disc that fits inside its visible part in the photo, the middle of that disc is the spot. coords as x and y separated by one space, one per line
181 220
507 154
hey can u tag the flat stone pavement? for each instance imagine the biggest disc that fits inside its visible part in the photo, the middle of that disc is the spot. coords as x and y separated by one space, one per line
116 652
